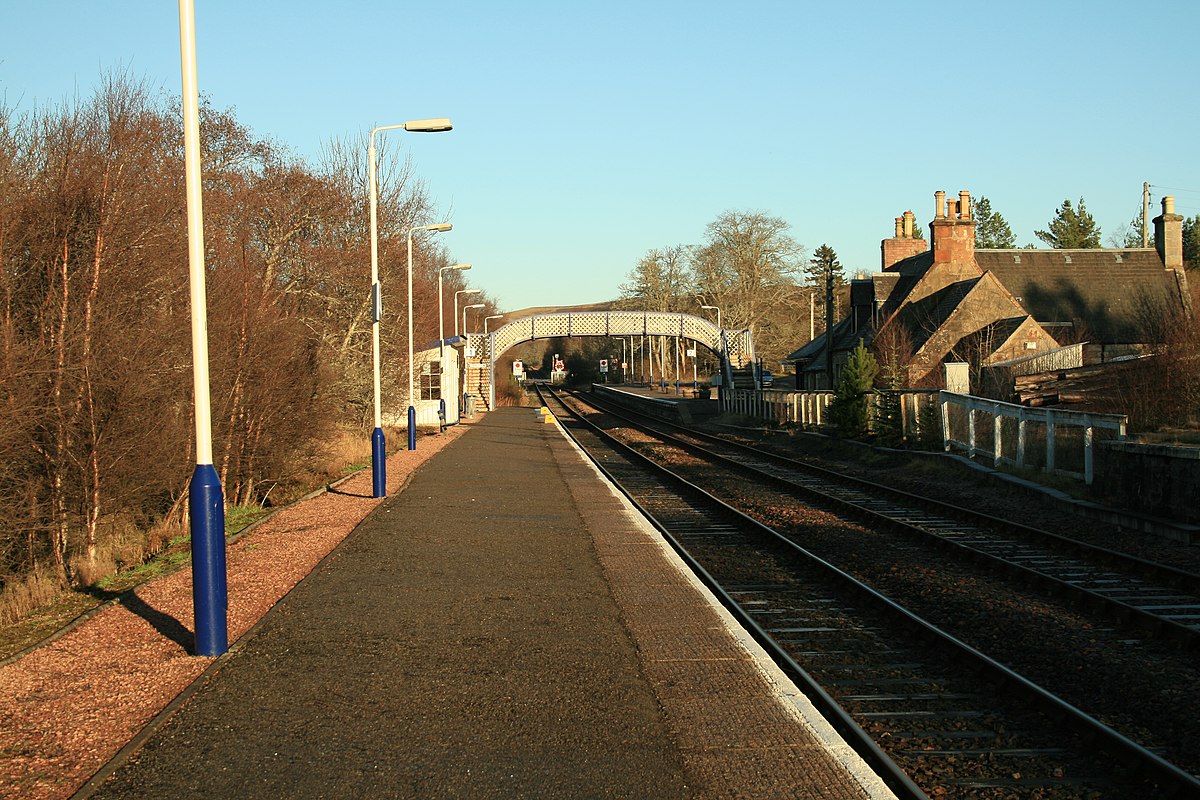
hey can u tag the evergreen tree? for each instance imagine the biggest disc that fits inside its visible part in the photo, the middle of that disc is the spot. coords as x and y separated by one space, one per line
850 410
1071 229
823 263
991 229
1191 242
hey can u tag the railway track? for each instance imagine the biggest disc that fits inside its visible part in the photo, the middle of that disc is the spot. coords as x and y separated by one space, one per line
922 706
1157 599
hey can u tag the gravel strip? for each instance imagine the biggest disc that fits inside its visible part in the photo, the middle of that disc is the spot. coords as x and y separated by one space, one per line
69 706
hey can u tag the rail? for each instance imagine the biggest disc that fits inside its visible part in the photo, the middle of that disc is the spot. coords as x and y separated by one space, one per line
1067 435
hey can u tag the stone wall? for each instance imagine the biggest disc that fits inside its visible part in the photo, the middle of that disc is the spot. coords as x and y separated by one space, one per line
1156 479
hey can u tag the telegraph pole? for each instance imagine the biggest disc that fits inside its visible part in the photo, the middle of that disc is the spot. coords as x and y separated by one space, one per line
1145 215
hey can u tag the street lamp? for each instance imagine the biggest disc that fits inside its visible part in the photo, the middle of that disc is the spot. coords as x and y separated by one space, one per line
456 294
437 227
714 308
464 333
465 310
485 321
206 501
441 335
378 448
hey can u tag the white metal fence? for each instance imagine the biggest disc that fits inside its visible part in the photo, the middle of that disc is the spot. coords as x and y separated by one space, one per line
811 409
1056 441
807 409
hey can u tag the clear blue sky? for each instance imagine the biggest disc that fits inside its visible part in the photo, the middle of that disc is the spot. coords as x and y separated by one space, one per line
588 133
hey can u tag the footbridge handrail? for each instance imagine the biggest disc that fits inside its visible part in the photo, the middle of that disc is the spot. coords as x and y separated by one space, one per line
735 347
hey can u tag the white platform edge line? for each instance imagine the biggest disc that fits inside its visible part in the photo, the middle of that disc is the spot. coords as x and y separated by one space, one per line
781 687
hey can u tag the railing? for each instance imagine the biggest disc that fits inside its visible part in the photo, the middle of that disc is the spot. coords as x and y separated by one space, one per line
1069 436
810 410
806 409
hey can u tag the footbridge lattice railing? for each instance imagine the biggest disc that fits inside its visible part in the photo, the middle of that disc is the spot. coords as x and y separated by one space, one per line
735 347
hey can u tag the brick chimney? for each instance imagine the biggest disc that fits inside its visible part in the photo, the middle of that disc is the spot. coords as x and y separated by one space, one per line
1168 235
952 232
903 244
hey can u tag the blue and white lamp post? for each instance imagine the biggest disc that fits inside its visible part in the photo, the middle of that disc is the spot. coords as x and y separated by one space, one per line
412 408
206 502
378 445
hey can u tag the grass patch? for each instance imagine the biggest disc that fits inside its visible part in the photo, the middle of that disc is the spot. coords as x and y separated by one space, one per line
238 518
175 554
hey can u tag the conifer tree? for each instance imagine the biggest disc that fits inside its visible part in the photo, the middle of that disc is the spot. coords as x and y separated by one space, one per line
991 229
1071 228
850 409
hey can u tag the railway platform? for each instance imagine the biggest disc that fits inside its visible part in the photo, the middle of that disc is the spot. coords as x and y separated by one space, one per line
505 626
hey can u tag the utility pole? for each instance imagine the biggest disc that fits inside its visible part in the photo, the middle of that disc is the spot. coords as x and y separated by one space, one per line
829 324
812 302
1145 214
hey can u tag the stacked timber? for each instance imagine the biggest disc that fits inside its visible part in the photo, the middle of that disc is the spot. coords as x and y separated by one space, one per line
1082 386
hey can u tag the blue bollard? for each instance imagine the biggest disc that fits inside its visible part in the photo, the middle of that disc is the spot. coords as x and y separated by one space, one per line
210 596
412 428
378 464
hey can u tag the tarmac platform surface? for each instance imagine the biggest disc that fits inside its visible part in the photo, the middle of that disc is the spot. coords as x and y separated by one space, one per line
503 627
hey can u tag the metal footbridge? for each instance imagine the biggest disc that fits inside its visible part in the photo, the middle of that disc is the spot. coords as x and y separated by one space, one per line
734 347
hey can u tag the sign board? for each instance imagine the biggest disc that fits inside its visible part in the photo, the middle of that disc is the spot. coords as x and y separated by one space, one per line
604 365
691 352
518 369
624 365
376 303
558 365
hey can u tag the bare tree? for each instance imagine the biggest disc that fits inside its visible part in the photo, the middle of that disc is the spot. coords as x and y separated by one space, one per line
748 267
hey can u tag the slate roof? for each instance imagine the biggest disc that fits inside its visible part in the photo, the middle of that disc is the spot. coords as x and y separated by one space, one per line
929 314
1100 289
845 338
994 336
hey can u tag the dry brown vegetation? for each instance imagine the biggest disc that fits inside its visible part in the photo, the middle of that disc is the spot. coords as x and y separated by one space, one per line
95 352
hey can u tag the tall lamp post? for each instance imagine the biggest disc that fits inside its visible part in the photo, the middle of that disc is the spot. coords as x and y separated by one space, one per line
464 333
206 501
442 344
441 334
456 294
485 321
720 341
437 227
465 310
378 446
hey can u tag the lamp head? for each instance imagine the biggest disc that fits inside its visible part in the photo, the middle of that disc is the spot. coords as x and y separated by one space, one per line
438 227
428 125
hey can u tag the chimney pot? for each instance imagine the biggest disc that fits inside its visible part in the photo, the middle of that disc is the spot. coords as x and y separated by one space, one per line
899 227
964 204
908 224
939 204
1168 204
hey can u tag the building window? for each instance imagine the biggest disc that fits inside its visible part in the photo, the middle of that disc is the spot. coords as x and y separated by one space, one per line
431 380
